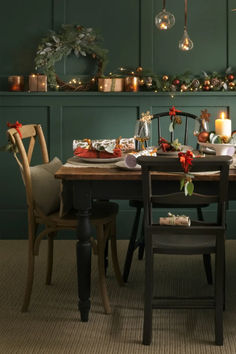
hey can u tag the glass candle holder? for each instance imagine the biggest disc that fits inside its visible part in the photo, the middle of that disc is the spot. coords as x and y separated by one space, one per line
132 83
16 83
37 83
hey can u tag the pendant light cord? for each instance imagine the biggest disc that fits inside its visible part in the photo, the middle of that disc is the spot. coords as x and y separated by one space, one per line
185 14
164 4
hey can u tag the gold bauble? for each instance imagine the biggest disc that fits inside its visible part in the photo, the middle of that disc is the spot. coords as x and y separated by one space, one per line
231 84
183 87
165 78
139 69
207 82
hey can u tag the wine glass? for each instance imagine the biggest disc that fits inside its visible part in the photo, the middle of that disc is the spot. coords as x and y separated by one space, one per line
141 134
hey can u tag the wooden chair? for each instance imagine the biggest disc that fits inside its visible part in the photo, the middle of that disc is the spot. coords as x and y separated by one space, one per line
103 217
137 241
200 238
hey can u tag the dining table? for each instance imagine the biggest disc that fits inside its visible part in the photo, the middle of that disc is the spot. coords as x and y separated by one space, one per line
108 182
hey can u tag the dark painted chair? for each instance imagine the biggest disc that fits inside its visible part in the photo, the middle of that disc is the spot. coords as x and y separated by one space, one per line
137 241
198 239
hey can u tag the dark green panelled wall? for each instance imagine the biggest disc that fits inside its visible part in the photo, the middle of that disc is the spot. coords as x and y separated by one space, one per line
127 27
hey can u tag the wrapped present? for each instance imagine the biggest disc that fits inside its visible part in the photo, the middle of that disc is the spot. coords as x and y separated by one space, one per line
131 158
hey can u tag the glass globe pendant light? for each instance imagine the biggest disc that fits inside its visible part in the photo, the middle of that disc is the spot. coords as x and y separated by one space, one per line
185 43
164 20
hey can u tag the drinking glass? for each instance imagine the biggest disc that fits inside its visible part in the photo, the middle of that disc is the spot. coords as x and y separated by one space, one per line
141 134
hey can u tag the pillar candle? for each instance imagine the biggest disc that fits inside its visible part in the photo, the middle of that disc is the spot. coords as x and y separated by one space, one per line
223 127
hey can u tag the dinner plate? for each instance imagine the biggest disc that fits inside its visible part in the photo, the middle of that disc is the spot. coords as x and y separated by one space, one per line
123 166
184 148
92 160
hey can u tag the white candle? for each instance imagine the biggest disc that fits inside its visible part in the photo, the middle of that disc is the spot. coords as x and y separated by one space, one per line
223 126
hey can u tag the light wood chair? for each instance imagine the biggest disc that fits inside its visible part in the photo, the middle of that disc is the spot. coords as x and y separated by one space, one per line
103 217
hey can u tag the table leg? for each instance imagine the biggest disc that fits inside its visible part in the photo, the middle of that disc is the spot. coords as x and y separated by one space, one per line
83 250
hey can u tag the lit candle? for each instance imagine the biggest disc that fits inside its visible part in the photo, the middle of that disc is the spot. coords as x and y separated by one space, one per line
223 126
16 83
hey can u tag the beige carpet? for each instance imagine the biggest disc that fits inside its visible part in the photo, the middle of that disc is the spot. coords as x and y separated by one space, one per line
53 323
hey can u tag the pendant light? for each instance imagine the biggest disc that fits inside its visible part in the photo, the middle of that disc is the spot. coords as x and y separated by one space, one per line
164 20
185 43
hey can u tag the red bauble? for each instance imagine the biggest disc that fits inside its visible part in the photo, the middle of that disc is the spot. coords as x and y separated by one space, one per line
176 82
230 77
206 88
203 137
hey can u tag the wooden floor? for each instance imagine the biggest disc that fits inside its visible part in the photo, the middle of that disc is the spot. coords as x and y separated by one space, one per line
53 323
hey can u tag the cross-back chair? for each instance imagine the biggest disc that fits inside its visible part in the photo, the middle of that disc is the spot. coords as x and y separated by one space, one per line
137 241
103 216
199 238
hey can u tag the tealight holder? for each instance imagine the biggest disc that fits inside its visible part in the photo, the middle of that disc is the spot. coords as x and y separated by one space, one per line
16 83
37 83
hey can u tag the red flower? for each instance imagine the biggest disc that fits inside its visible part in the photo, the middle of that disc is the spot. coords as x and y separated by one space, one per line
185 159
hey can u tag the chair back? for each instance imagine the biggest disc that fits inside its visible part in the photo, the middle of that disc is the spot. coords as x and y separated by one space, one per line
185 117
215 192
30 133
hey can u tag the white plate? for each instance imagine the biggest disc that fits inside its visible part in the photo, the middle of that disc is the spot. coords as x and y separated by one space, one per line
123 166
96 160
184 148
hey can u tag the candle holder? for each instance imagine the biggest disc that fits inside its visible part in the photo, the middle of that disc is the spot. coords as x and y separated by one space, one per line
37 83
220 149
16 83
131 83
110 84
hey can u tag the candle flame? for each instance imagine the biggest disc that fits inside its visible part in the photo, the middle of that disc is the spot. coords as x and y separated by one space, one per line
223 115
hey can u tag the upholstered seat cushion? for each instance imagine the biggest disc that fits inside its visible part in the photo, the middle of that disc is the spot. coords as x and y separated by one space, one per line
45 187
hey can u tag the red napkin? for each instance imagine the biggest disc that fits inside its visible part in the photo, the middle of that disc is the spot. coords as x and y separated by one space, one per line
81 152
91 153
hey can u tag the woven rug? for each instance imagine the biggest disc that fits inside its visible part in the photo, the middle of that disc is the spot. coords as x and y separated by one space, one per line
53 323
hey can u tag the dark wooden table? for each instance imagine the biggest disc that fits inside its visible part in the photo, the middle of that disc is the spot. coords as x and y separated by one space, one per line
117 184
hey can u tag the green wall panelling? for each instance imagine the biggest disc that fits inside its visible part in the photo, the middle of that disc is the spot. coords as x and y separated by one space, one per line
207 27
22 25
117 22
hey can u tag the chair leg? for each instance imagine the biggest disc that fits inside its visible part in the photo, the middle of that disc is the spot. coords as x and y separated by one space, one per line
142 245
101 267
131 247
106 256
114 254
29 281
219 286
206 257
50 257
148 297
207 267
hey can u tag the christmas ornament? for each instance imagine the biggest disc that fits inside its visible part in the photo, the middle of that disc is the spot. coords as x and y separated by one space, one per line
183 87
165 78
164 20
230 77
207 82
206 88
176 82
185 43
231 85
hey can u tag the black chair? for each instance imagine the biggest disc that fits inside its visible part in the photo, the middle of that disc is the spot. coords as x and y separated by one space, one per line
137 241
200 238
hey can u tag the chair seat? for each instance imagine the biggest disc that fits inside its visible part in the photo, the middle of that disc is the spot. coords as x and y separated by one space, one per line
186 244
101 211
139 204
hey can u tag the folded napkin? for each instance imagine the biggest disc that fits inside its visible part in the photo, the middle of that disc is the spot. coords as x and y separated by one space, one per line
102 148
130 159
